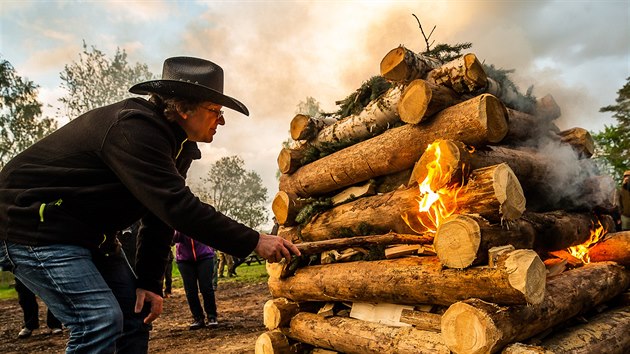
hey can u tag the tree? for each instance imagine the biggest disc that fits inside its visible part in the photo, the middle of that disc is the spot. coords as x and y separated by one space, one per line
310 107
235 192
612 145
95 80
21 124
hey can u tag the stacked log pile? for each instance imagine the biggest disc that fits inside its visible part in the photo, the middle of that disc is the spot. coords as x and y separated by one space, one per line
482 267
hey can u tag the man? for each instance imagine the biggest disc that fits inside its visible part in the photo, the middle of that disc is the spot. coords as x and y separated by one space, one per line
62 200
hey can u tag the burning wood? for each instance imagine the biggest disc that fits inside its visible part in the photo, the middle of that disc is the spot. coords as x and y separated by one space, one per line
478 121
474 326
614 247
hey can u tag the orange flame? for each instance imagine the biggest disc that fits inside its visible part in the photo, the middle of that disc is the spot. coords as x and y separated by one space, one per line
581 251
434 206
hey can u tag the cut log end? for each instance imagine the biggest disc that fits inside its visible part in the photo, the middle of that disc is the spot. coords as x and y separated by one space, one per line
475 71
466 329
414 102
458 247
280 207
272 343
496 117
298 124
393 65
284 161
527 274
508 192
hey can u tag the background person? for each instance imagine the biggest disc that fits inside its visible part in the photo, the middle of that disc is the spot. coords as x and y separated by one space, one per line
624 201
30 309
194 261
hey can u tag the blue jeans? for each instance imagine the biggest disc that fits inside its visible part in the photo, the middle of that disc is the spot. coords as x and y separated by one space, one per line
197 277
92 294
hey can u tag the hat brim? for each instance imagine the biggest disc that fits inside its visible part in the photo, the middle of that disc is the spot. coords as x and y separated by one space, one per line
188 90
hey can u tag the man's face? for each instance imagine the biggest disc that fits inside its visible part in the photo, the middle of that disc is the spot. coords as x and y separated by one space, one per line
201 124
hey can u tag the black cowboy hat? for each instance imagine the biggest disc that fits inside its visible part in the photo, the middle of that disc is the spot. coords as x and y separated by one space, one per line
194 78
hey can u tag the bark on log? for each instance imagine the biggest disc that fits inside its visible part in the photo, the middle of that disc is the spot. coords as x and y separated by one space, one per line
603 333
354 192
581 141
421 100
401 64
614 247
362 241
305 127
464 74
526 128
478 121
422 320
286 206
520 348
350 336
464 240
378 116
474 326
518 278
491 192
273 342
290 233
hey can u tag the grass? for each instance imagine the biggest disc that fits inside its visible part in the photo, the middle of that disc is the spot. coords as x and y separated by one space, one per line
254 273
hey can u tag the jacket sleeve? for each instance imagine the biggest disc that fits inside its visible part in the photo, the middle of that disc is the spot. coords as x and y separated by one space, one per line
142 155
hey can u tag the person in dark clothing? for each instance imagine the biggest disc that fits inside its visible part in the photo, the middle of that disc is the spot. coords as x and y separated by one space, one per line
195 263
30 308
63 199
168 274
128 238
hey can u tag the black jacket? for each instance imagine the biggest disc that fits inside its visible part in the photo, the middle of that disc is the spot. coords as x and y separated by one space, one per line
101 172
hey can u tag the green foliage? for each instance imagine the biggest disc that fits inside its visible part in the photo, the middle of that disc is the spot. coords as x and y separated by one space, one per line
235 192
315 206
370 90
96 80
446 52
612 145
20 111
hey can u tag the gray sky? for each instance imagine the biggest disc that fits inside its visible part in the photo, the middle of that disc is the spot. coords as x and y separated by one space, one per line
276 53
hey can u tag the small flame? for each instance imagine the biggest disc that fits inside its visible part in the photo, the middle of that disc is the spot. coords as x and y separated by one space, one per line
581 251
435 206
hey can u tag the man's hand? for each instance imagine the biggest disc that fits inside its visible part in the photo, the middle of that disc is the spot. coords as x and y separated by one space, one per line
154 299
274 248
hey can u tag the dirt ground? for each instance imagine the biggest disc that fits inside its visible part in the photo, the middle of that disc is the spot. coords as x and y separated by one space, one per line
240 319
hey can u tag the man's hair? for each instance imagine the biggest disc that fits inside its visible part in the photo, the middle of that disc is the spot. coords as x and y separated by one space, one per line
171 106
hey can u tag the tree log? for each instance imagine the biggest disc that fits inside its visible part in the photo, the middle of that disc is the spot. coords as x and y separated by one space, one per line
305 127
290 233
290 159
464 74
350 336
401 64
286 206
277 313
421 100
475 326
491 192
526 129
557 230
581 141
603 333
462 241
378 116
614 247
354 192
274 342
478 121
361 241
547 108
518 278
422 320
